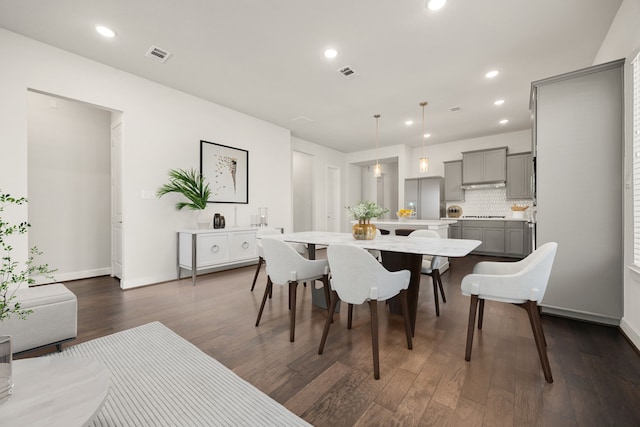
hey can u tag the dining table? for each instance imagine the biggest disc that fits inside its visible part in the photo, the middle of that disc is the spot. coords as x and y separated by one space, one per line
398 253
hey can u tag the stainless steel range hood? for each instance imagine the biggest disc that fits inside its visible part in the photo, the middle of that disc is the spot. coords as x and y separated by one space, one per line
484 185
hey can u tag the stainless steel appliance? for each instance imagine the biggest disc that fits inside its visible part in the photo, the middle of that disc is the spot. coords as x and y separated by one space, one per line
425 196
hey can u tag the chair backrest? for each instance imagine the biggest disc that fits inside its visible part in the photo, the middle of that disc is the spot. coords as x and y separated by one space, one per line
436 260
527 278
358 277
264 231
285 264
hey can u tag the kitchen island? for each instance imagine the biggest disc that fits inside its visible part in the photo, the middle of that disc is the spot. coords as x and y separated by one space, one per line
439 225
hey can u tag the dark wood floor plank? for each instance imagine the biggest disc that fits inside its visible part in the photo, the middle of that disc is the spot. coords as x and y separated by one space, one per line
596 371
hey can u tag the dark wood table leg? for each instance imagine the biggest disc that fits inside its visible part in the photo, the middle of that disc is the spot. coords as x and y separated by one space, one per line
395 261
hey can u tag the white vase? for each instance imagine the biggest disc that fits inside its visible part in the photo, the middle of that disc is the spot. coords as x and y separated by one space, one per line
6 382
203 219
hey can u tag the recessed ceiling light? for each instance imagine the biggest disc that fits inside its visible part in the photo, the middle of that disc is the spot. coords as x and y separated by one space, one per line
436 4
499 102
504 121
427 135
408 122
330 53
491 74
104 31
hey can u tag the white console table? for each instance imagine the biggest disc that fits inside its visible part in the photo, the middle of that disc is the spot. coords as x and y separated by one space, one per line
212 248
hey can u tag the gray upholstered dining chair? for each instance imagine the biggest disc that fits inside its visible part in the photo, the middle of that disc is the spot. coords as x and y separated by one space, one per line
285 266
357 277
522 283
431 266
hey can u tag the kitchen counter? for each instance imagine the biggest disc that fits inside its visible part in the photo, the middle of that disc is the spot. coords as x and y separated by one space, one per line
439 225
488 219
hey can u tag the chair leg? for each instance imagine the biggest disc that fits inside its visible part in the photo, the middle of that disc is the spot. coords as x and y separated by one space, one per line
293 287
350 316
373 307
435 293
405 314
480 313
538 335
267 290
471 327
327 291
260 261
436 273
327 324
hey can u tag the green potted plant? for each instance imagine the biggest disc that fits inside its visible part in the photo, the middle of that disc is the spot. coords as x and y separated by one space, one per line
192 185
11 277
363 212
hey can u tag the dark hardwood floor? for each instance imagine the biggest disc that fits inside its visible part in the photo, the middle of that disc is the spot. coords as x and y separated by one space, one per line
596 371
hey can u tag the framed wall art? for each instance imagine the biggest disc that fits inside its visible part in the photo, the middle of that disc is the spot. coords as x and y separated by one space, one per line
226 169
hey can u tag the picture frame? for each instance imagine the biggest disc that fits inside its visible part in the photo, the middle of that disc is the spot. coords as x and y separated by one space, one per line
226 169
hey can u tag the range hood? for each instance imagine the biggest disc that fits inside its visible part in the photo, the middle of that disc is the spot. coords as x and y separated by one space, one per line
484 185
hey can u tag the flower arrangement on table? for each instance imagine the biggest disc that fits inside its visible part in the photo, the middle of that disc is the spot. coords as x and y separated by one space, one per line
364 211
404 214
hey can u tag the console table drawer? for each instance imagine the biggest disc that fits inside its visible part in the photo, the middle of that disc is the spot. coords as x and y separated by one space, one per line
212 249
242 245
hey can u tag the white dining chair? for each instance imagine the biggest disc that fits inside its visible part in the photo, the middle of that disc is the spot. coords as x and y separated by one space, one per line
262 231
267 231
522 283
356 278
285 266
431 266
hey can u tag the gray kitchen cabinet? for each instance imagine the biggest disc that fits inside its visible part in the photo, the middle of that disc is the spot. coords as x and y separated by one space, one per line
454 231
453 191
484 166
519 176
514 239
499 238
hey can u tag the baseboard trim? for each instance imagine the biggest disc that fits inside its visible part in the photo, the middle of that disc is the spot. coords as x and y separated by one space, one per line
74 275
630 334
580 315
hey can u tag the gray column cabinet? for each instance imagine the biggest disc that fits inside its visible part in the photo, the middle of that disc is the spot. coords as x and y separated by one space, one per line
484 166
519 176
453 191
578 136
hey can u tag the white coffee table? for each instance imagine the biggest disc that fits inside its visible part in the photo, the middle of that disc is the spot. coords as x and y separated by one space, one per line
55 391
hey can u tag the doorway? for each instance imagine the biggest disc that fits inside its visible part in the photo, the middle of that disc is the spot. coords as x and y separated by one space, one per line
302 191
69 185
332 199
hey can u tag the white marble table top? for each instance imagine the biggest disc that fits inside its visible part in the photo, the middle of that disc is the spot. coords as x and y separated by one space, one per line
418 245
55 391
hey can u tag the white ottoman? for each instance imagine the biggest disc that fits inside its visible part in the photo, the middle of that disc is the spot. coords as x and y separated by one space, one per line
53 321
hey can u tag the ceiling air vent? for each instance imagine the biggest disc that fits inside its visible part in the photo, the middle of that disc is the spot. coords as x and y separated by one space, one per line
158 54
348 72
456 108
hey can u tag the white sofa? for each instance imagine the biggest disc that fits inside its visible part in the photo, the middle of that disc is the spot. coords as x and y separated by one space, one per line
54 319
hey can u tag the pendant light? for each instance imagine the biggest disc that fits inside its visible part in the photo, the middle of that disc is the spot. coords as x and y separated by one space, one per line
424 160
377 169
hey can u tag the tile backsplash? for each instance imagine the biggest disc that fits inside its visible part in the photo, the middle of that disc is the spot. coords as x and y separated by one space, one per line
490 201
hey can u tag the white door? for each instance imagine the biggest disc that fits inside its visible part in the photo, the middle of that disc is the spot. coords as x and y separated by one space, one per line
116 200
332 199
302 191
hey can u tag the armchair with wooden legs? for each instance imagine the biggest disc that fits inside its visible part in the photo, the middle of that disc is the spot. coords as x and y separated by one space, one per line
357 277
521 283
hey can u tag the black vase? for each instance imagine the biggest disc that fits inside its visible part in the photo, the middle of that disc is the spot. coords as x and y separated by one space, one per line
217 221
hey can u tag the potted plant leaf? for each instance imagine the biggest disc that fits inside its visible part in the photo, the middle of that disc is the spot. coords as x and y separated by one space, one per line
12 276
192 185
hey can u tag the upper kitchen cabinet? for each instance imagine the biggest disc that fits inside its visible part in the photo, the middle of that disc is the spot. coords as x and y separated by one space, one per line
519 176
453 191
484 166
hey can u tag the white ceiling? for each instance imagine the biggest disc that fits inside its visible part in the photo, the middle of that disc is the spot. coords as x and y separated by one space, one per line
265 58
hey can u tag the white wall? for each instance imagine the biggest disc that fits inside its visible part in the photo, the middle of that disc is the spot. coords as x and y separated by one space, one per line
69 182
623 41
161 129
